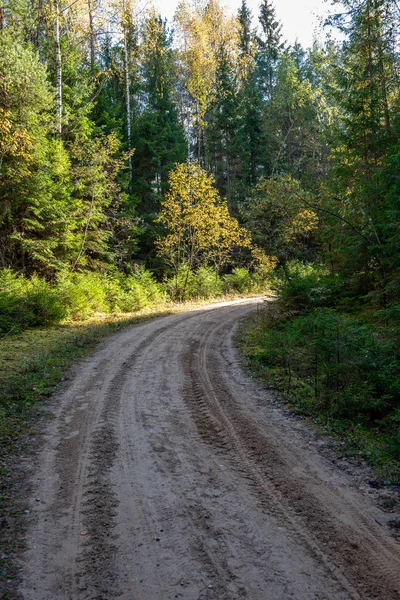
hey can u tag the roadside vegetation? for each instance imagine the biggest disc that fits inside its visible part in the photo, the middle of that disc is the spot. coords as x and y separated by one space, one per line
332 362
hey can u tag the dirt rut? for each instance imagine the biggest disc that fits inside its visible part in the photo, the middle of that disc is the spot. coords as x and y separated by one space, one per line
168 473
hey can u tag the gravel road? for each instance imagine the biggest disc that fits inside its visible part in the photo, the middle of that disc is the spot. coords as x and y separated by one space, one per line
168 473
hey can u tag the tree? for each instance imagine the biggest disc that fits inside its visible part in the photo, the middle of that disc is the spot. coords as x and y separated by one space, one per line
197 223
364 188
36 213
160 140
270 46
96 190
293 118
130 54
222 155
201 34
251 142
283 220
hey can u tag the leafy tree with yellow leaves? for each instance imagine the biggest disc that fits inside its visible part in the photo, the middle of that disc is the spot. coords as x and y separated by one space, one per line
199 228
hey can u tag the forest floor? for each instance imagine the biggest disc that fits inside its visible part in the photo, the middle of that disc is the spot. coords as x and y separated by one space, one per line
167 472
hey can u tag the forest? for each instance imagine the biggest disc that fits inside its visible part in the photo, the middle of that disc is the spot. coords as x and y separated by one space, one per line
141 159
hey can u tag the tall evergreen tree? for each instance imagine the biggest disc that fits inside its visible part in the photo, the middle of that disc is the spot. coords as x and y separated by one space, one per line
159 137
270 46
368 141
222 125
251 138
37 215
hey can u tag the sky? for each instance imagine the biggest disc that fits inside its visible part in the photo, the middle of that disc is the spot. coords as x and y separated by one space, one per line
299 18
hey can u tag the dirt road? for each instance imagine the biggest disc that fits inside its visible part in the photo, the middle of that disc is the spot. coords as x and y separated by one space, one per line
168 473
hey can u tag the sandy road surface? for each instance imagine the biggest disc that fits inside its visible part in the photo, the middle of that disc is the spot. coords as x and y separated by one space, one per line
167 474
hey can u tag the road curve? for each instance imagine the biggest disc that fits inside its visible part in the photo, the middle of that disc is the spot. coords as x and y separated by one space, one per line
168 473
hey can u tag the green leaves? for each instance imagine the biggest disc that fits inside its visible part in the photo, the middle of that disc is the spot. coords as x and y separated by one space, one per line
282 219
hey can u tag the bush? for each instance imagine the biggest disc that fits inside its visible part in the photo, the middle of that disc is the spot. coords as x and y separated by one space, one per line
83 294
239 281
112 285
27 302
304 287
353 374
177 286
204 283
140 291
190 285
42 304
32 302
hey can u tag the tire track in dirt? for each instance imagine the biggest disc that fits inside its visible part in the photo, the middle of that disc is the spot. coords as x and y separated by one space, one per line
355 553
83 451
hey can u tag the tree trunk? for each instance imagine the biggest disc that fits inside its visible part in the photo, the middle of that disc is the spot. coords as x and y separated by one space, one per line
91 35
58 69
127 90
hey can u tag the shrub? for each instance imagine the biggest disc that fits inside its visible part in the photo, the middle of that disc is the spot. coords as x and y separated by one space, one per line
42 304
204 283
353 373
112 285
177 287
239 281
83 294
140 290
27 302
304 287
11 291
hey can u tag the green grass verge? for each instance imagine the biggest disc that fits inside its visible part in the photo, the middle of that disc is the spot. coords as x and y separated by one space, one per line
372 445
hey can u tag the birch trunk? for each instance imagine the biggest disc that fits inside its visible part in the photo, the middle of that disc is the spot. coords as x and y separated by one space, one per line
58 69
91 35
127 90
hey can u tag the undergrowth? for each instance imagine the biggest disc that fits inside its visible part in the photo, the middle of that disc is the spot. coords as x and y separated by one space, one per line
337 368
33 302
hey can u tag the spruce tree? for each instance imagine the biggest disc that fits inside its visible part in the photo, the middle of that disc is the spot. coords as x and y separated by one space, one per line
364 184
251 138
222 125
270 46
159 137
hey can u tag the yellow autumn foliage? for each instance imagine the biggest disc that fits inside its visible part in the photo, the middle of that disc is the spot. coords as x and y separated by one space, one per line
198 225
